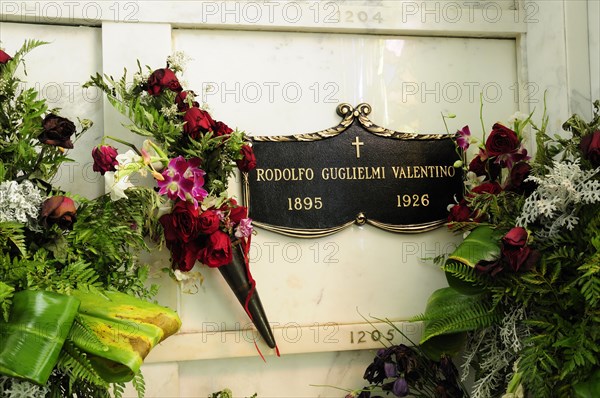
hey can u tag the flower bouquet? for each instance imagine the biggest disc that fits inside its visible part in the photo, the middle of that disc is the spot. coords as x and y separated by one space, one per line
73 319
191 156
524 285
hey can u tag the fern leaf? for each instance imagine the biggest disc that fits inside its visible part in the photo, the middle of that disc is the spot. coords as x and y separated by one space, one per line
76 364
139 384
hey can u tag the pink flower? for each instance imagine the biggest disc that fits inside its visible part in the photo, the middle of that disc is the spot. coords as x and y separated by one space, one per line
244 228
462 138
184 180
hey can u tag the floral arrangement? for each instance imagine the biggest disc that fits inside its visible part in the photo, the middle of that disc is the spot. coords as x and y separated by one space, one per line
524 285
191 156
74 315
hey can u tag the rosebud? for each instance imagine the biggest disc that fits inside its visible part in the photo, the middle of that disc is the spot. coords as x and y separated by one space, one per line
58 210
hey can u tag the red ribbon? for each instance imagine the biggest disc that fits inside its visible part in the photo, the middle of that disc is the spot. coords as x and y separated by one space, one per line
246 250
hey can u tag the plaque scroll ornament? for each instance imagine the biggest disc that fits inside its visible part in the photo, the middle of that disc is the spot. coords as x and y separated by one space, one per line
358 150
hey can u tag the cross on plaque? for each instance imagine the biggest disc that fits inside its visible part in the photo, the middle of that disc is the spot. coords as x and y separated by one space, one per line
357 144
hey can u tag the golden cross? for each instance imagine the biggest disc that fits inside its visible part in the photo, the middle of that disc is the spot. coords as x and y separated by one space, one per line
357 144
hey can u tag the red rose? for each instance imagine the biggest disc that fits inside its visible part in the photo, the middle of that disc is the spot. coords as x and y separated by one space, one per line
57 131
221 128
459 213
238 213
162 79
518 175
197 122
590 147
4 57
516 237
182 224
105 158
488 187
217 250
501 141
477 166
58 210
183 103
522 258
183 255
208 222
248 160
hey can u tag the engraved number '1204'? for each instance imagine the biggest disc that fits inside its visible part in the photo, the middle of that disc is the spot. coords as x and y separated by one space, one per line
305 203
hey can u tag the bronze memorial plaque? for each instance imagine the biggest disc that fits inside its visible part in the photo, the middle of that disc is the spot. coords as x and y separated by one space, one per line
315 184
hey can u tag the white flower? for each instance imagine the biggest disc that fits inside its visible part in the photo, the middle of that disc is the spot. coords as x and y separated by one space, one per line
518 116
190 281
472 180
116 188
177 61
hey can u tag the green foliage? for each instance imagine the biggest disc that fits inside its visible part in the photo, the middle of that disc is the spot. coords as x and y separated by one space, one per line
139 384
75 363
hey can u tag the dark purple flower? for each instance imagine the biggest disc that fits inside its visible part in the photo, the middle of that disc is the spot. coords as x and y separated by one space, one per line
590 147
390 369
400 388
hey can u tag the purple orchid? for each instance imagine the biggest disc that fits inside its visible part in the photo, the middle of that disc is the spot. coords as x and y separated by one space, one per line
183 179
463 138
244 228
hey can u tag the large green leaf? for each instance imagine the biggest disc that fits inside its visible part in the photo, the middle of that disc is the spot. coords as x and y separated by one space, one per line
31 340
481 244
590 388
127 329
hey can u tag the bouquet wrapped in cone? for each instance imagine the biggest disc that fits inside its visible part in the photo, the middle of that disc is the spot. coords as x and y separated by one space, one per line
191 156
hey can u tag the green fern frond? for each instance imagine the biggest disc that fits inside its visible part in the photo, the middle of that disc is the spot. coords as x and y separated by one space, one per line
118 390
84 337
461 271
139 384
6 294
12 235
76 364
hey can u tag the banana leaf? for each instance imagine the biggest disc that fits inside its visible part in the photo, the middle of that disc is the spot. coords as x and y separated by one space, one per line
31 340
482 244
125 329
589 388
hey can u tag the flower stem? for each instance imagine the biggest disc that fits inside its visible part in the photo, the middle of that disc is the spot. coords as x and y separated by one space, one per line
129 144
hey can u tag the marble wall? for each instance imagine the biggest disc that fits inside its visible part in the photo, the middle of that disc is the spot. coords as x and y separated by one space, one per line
284 76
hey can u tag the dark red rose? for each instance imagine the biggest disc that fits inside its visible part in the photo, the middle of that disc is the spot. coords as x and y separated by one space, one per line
590 147
182 224
183 102
209 222
105 158
248 160
4 57
184 255
516 237
488 187
518 175
197 122
57 131
501 141
459 212
221 128
217 250
58 210
162 79
238 213
477 166
523 258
